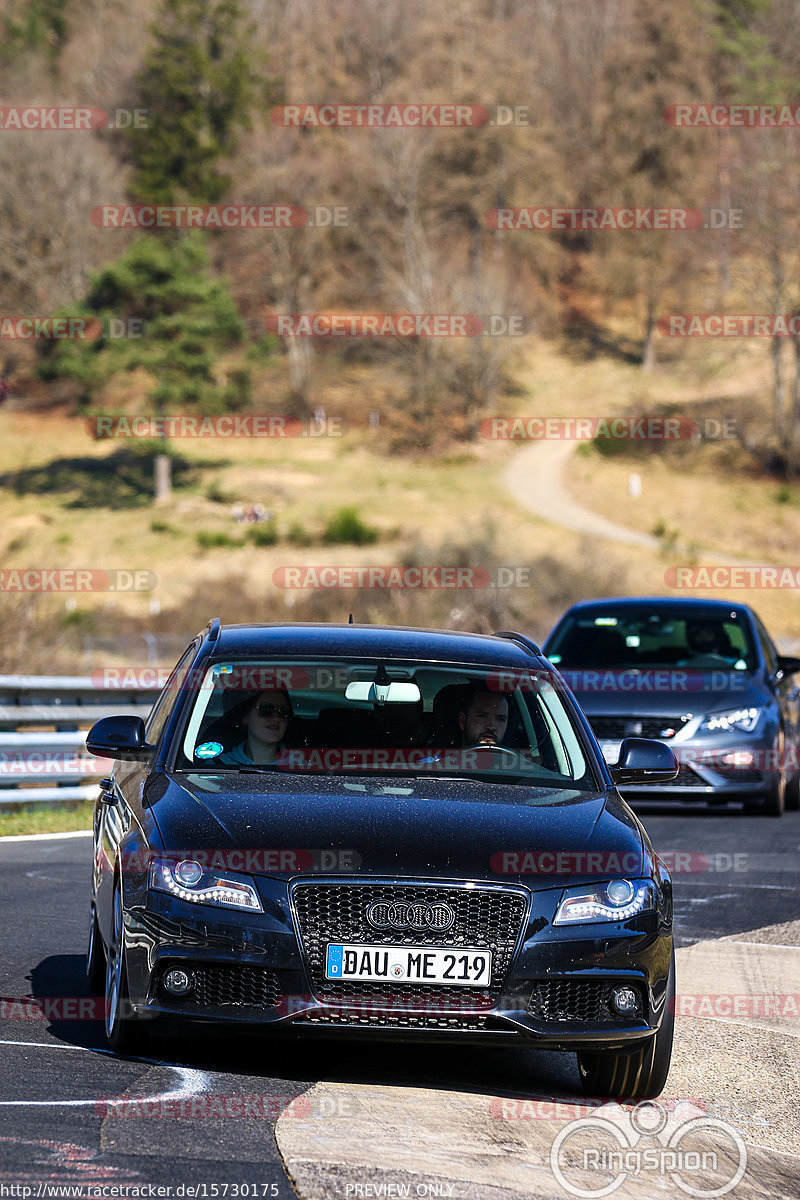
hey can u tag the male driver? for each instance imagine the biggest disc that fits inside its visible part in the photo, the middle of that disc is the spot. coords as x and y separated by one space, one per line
484 720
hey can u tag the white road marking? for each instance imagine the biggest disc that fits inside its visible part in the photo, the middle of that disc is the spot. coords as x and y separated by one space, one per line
42 837
192 1082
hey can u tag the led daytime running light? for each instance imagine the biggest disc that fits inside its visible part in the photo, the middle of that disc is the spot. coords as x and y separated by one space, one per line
210 888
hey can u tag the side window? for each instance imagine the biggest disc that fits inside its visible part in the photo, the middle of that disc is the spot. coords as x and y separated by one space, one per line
164 704
767 648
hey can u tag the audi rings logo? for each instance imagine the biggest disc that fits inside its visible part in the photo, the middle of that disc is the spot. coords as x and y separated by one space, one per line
414 915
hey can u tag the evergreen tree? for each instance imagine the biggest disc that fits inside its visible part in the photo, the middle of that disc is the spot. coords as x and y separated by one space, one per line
196 86
187 319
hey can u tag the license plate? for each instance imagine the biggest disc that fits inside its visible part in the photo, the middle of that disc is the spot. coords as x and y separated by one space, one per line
409 964
611 752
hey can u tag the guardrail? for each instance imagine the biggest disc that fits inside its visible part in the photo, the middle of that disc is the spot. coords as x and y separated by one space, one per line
43 724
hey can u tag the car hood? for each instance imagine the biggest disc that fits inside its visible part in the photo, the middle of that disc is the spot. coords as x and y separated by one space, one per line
405 828
662 691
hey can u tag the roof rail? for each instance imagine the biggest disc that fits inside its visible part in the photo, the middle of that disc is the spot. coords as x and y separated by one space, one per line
521 640
213 628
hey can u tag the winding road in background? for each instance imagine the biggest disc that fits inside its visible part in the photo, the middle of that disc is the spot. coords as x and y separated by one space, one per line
535 476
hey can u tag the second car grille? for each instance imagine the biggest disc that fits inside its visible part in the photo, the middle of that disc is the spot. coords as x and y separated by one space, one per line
647 727
485 918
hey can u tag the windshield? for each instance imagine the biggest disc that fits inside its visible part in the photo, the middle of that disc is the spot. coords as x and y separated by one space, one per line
421 719
657 637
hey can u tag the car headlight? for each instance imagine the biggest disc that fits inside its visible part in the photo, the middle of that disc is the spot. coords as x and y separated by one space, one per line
614 901
190 880
743 719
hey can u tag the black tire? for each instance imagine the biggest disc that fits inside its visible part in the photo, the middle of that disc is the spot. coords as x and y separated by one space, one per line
639 1074
95 957
791 794
772 803
123 1031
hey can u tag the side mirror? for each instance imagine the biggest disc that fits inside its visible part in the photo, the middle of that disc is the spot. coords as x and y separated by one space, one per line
787 664
119 737
644 760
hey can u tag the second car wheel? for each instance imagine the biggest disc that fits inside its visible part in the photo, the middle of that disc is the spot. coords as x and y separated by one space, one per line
771 804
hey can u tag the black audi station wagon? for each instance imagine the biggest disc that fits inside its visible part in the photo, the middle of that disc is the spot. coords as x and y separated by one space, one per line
381 833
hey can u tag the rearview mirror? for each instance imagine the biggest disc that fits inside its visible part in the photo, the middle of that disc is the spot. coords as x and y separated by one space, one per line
644 760
396 692
119 737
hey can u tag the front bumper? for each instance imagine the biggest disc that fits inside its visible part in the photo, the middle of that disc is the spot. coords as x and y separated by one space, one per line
257 971
737 769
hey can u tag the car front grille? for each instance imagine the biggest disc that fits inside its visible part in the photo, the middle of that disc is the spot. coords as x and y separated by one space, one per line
734 774
581 1000
218 985
485 919
647 727
379 1011
686 778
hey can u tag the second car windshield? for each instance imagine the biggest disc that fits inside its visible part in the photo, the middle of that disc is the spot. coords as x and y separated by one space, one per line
390 717
696 639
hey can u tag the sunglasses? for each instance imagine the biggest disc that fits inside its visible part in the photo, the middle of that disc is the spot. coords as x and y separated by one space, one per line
270 710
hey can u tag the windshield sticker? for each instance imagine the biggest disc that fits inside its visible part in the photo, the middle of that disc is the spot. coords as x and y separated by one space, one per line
208 750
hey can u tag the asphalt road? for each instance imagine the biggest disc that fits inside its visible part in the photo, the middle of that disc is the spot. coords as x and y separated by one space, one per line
341 1120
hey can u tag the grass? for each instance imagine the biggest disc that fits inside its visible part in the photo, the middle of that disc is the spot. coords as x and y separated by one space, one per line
46 818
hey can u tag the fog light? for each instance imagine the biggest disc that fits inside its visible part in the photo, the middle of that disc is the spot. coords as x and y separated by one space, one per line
625 1000
738 758
179 982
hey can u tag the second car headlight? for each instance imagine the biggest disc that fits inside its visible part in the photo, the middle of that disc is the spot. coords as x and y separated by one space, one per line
743 719
190 880
614 901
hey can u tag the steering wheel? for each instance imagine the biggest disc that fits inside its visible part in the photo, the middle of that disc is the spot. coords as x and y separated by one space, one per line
496 748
